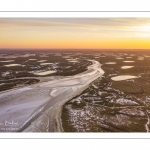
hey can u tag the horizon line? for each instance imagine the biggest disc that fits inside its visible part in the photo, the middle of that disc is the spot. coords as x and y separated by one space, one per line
67 49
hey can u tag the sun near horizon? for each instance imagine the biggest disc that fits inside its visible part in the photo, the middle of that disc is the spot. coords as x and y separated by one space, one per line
75 33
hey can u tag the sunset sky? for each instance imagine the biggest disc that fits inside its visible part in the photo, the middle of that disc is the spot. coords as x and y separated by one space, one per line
75 33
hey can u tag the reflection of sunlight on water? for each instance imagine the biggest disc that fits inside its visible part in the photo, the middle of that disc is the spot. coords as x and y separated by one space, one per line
126 67
123 77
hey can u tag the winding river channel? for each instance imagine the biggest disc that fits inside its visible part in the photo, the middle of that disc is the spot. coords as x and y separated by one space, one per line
37 108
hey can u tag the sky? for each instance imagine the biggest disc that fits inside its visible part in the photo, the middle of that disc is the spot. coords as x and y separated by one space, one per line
75 33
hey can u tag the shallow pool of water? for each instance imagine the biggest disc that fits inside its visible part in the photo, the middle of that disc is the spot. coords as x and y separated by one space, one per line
140 58
110 63
146 56
123 77
128 61
126 67
45 72
32 59
102 56
41 60
66 57
11 65
43 56
46 63
73 61
119 58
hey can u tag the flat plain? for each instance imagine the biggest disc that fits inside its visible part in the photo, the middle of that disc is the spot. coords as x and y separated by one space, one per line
115 100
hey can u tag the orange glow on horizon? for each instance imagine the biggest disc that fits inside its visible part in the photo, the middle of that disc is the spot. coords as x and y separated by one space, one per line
115 33
80 44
